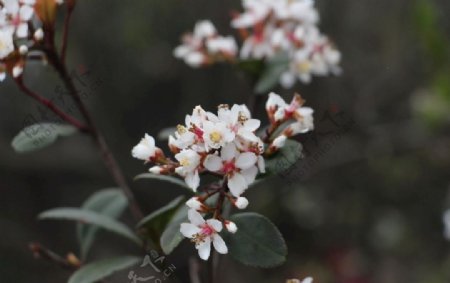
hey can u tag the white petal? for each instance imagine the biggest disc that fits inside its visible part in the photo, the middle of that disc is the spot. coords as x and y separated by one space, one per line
250 174
252 124
188 230
22 30
219 244
246 160
213 163
193 180
26 12
237 184
216 224
204 249
261 164
195 217
229 152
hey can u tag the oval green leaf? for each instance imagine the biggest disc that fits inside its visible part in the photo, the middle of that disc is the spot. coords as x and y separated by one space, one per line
153 225
98 270
108 202
38 136
91 217
165 178
284 158
274 68
257 241
172 237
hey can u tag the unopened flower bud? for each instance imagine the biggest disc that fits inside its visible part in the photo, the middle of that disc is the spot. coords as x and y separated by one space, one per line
241 202
230 226
23 49
156 170
17 71
194 203
279 142
39 34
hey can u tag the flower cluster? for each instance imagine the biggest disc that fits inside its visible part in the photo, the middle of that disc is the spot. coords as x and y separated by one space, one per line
224 145
288 26
205 46
18 33
269 28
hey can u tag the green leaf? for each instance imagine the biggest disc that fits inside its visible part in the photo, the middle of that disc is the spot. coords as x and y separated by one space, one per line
172 237
108 202
284 158
257 241
39 136
98 270
271 75
251 66
153 225
90 217
166 178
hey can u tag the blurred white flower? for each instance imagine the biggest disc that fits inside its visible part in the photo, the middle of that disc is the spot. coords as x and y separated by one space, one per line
6 43
146 149
205 46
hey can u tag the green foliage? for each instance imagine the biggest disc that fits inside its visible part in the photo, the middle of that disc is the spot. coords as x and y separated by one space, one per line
272 72
284 158
90 217
172 237
98 270
257 241
429 30
39 136
166 178
153 225
108 202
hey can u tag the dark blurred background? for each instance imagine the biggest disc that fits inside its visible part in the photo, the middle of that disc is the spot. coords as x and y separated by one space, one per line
364 206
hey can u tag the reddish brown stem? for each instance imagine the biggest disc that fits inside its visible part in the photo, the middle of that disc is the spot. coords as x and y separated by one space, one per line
50 105
40 251
65 38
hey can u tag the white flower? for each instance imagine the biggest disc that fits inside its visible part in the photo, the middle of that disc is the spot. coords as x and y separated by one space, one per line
220 44
231 227
156 170
216 134
202 233
6 43
189 162
238 120
19 14
241 203
146 149
239 167
204 29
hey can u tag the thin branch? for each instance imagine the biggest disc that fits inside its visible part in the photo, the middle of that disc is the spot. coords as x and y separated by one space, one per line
40 251
65 38
50 105
106 154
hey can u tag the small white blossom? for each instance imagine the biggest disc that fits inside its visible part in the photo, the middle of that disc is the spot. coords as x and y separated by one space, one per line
240 168
189 162
203 233
306 280
146 149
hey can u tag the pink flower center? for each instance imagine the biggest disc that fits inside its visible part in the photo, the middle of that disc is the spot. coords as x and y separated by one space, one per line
228 167
207 230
